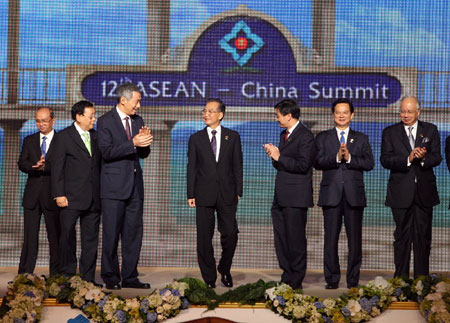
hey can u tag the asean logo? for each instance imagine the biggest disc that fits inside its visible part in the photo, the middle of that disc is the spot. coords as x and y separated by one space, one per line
241 43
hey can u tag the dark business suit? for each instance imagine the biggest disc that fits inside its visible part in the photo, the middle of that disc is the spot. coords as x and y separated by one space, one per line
342 194
447 153
122 194
37 199
411 193
76 175
215 187
293 197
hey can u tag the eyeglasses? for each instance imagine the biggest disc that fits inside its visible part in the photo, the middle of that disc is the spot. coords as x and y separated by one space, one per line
38 121
90 117
209 111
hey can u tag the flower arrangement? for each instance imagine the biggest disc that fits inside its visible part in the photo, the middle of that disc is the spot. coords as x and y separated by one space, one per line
24 300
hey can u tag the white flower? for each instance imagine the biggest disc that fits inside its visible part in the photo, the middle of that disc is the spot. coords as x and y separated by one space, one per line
270 293
353 306
92 293
434 297
442 287
419 287
380 283
299 312
329 303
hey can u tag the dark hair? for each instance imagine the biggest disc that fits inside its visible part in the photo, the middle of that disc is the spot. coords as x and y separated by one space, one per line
221 106
288 106
126 90
52 113
342 100
78 108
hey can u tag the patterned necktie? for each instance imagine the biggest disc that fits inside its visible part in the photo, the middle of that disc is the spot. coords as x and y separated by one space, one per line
286 136
87 142
213 142
411 138
44 146
127 128
342 140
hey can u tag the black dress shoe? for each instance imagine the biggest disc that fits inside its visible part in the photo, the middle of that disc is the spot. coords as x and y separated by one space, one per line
227 280
210 285
331 286
96 284
113 286
136 284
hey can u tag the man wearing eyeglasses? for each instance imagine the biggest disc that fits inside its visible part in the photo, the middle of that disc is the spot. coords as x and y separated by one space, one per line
76 189
215 184
37 199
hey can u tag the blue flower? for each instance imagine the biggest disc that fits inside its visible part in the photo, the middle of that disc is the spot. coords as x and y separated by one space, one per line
419 299
29 294
175 292
374 300
326 319
366 305
163 291
121 316
346 312
151 317
16 320
144 305
319 305
185 304
281 300
102 302
398 292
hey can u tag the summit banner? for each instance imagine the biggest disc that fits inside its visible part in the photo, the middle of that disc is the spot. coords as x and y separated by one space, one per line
247 62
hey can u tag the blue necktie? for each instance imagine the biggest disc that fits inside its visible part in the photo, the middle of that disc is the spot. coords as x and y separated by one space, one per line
342 140
213 142
44 146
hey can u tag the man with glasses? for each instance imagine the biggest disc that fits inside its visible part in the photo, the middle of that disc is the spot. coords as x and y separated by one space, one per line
37 199
76 188
215 184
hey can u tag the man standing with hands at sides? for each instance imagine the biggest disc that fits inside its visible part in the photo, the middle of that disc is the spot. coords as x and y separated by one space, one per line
123 139
410 149
215 184
342 154
293 160
37 197
76 188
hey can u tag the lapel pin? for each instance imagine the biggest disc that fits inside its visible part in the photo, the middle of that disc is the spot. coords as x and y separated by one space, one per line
421 135
226 137
351 140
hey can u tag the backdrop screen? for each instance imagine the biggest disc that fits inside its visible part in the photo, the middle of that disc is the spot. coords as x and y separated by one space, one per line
251 54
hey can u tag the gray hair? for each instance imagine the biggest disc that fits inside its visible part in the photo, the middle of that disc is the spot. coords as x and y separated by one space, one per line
126 90
419 105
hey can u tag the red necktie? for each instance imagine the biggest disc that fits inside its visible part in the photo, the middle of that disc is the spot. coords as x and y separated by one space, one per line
127 128
286 136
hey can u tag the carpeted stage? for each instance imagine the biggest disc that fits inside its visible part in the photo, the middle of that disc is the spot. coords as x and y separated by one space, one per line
159 277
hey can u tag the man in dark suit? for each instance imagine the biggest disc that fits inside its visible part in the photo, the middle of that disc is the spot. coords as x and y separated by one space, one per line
123 140
410 149
37 197
215 184
342 154
76 188
293 160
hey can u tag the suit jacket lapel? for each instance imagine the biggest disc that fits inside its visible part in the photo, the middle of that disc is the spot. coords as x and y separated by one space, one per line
403 137
77 138
419 135
207 143
119 124
50 148
296 131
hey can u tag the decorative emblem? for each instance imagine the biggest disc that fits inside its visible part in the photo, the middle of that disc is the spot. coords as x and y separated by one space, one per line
239 48
352 140
226 137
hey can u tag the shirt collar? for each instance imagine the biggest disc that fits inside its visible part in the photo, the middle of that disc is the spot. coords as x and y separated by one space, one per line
218 129
49 136
80 131
121 114
346 130
291 129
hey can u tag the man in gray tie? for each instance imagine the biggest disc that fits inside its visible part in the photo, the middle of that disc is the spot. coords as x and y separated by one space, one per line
343 155
215 184
411 149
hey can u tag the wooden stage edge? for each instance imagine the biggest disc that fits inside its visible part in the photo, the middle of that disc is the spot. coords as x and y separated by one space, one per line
51 302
